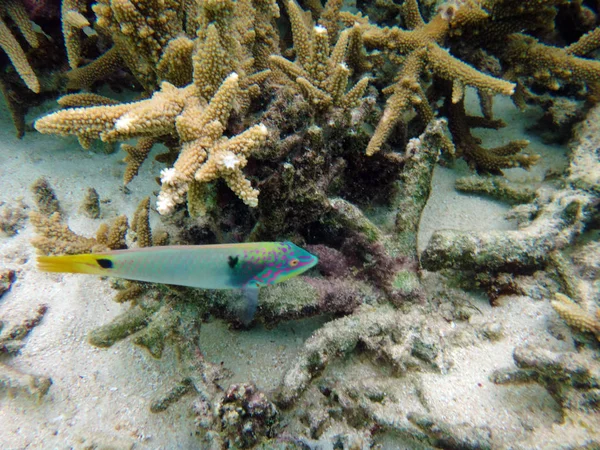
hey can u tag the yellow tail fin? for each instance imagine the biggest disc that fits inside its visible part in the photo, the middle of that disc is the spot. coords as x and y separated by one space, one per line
86 263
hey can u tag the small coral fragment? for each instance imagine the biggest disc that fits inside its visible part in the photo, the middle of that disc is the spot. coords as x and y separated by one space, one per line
141 224
7 278
91 204
45 197
576 316
113 236
56 238
12 217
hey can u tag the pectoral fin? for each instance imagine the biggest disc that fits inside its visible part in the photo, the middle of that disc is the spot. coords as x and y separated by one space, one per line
251 303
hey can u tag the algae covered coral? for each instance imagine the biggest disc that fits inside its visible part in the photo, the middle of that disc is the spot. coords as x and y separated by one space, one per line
324 124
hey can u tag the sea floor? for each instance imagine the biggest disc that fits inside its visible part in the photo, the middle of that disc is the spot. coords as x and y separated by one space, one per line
100 397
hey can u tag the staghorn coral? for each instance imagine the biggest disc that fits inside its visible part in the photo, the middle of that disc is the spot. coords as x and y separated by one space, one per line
8 43
485 41
205 154
167 41
550 66
56 238
73 21
484 160
422 48
136 155
320 72
316 186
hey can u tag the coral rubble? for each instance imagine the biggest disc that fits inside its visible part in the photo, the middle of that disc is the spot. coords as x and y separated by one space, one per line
11 341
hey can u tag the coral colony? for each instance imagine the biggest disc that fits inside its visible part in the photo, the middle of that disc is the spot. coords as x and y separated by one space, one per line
321 124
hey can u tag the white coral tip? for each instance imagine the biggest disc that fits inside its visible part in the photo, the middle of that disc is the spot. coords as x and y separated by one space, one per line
123 123
230 160
168 176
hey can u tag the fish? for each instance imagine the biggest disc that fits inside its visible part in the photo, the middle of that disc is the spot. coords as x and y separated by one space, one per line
245 266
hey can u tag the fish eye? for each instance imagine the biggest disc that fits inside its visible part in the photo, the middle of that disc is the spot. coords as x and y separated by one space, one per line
294 262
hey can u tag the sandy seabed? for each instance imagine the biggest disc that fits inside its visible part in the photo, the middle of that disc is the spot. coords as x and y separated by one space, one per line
100 397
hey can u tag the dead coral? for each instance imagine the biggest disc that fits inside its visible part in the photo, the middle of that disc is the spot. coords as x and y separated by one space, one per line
11 341
558 223
241 417
445 435
380 330
496 187
7 278
571 378
559 219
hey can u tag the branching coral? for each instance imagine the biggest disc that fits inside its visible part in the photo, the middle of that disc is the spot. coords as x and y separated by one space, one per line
231 108
8 43
166 41
205 154
422 47
319 71
490 27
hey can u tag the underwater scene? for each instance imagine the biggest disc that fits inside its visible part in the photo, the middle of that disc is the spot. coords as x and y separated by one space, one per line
300 224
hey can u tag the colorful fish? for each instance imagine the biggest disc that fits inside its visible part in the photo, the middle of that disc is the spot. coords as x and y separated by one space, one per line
226 266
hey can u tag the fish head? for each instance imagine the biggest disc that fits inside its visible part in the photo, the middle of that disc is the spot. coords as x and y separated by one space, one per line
292 261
